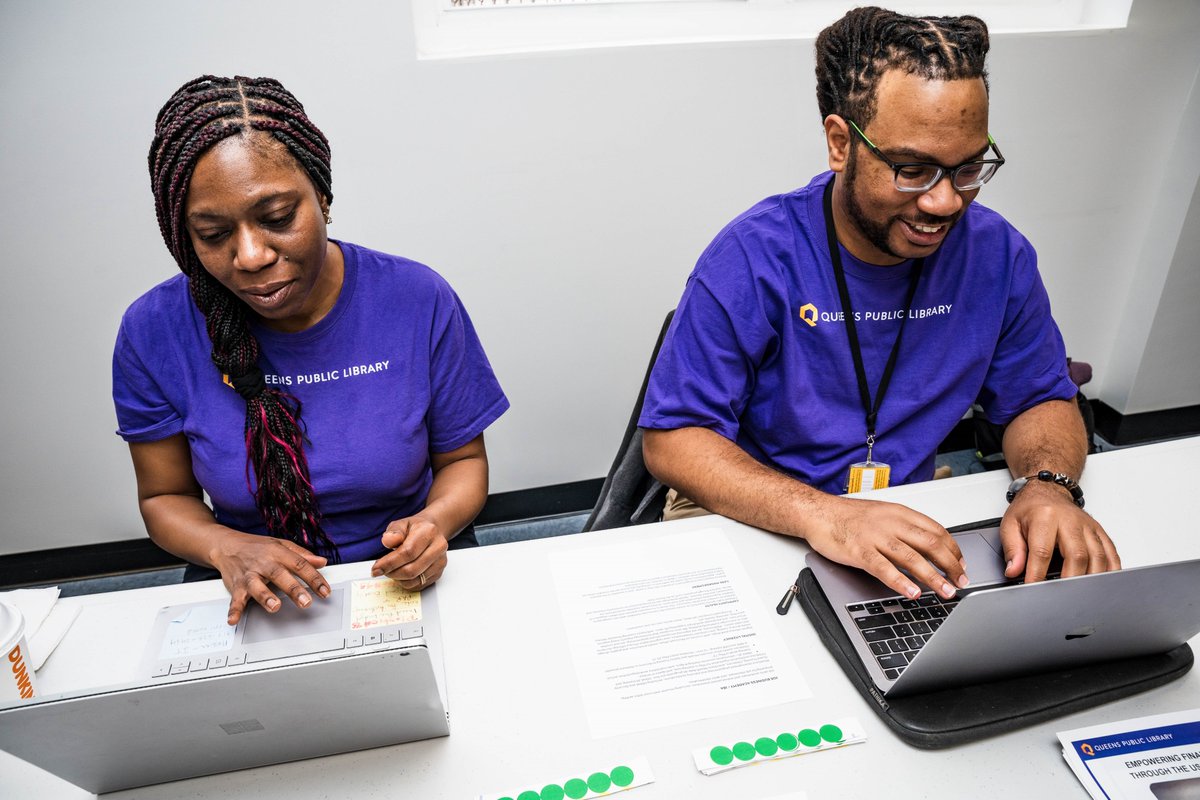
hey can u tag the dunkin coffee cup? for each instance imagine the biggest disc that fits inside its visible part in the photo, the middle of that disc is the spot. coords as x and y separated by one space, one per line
16 673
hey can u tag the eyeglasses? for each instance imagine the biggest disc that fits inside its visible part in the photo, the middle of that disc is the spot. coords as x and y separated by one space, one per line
919 176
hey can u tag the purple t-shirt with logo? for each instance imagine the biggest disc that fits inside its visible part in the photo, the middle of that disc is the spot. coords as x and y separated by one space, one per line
758 350
392 373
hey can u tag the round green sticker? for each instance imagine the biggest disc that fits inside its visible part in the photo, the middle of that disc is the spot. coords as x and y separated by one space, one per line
599 782
766 746
721 755
831 733
552 791
809 737
622 776
575 788
744 751
528 795
786 741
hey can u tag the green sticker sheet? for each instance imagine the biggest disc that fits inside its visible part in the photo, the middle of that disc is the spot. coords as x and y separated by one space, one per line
583 785
771 746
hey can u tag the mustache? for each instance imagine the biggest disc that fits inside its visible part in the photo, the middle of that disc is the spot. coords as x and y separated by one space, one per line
927 219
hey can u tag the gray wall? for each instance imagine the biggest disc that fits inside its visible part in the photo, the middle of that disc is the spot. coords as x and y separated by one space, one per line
564 196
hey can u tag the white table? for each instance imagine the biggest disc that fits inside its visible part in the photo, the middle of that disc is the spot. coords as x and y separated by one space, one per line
517 715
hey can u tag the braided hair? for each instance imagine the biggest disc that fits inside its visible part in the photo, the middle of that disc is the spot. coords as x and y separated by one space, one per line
853 54
200 114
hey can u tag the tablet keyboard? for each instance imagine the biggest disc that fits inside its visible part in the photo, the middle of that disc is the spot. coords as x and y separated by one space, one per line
242 654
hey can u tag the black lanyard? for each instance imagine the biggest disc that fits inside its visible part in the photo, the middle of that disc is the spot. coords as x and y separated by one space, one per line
871 409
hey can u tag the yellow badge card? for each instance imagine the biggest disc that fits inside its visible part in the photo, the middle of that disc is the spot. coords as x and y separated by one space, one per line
382 602
868 475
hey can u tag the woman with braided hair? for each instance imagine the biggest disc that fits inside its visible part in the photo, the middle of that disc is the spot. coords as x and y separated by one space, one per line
329 400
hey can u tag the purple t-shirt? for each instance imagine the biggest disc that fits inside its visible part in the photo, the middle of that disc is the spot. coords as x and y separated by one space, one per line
392 373
758 351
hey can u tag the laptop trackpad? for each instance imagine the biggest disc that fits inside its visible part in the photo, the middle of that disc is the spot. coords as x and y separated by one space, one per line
985 560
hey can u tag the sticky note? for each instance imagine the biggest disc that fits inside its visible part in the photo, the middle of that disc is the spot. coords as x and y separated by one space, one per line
583 785
382 602
735 753
198 629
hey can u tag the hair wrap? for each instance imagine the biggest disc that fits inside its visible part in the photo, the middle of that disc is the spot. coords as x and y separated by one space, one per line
200 114
250 384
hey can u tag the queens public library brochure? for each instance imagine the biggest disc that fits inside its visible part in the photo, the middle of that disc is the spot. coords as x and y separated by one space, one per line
1152 758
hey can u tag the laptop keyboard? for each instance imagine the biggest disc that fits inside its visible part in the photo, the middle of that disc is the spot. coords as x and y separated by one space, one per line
896 628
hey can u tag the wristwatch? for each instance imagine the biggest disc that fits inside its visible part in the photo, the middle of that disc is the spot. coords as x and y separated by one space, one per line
1062 479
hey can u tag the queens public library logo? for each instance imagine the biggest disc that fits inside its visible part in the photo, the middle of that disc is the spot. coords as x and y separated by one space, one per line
810 315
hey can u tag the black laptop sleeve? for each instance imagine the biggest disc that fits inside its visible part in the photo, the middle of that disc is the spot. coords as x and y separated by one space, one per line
964 714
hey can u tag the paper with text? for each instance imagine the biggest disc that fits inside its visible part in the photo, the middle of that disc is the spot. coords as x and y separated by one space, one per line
202 628
669 630
382 602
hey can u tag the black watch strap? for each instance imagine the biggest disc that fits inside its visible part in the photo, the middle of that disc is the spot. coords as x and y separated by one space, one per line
1060 478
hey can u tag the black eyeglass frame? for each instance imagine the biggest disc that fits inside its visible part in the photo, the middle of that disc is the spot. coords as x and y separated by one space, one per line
941 171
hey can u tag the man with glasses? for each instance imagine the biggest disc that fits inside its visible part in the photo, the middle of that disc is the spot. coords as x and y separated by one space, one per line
829 339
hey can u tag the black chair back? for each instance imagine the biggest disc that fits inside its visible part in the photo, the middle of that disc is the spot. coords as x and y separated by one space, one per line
630 494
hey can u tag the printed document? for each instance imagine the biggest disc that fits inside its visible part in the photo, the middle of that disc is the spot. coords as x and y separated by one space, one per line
1152 758
669 630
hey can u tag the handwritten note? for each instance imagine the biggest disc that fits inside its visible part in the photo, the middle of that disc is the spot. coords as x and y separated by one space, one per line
382 602
199 629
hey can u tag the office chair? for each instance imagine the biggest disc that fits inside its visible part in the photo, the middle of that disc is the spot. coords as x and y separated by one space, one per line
630 494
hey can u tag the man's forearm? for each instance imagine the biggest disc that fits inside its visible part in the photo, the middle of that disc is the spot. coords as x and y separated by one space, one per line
1048 436
722 478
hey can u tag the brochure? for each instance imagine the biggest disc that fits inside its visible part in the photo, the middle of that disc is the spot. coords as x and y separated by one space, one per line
1151 758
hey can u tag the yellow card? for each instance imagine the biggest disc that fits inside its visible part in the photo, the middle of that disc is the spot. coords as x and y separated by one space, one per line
868 475
382 602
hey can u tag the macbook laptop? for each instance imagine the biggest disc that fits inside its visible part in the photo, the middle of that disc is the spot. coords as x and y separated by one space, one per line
361 669
999 628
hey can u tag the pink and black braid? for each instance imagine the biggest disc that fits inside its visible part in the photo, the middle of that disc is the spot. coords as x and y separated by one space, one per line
853 53
200 114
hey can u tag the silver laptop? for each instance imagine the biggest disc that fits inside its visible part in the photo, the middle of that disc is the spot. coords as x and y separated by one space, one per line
366 663
1000 628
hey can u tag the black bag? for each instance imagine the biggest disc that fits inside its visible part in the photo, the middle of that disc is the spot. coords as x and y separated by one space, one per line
967 713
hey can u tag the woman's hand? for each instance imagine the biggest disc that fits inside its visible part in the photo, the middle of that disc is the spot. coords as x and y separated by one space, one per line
250 565
419 543
178 520
418 555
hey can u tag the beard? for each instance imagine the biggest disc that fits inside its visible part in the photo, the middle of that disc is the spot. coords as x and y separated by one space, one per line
877 231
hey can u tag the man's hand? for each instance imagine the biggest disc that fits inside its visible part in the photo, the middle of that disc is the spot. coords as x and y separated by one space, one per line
1043 518
880 538
418 555
1050 436
249 564
883 538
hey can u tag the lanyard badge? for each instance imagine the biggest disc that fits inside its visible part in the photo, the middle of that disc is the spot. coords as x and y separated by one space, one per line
869 474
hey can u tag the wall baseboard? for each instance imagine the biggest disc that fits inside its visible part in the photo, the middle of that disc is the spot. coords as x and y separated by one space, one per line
41 567
1125 429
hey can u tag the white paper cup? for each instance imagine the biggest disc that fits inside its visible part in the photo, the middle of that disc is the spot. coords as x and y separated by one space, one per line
16 673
